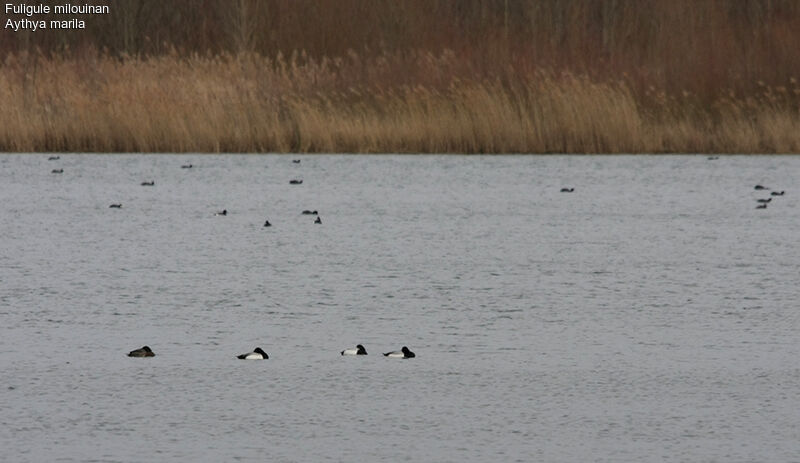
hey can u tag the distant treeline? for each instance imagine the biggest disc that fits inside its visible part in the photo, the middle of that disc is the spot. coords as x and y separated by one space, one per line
677 44
469 76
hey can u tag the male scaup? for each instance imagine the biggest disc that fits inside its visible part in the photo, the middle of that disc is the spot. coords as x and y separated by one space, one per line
54 158
567 190
295 182
57 171
143 352
257 354
359 350
318 220
403 353
764 201
761 206
116 206
222 212
150 183
777 193
307 212
296 161
187 166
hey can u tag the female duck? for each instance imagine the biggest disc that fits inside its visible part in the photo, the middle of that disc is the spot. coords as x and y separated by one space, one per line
143 352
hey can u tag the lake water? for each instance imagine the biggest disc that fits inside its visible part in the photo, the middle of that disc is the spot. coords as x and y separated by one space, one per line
651 315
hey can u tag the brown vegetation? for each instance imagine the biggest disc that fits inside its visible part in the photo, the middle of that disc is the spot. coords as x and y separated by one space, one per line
465 76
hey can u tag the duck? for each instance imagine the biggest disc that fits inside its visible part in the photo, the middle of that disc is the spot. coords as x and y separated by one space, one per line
713 158
760 187
57 171
115 206
764 201
54 158
267 224
318 221
403 353
150 183
143 352
567 190
761 206
222 212
296 161
187 166
777 193
307 212
295 182
359 350
257 354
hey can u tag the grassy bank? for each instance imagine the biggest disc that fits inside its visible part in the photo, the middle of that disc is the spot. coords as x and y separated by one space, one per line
426 76
400 102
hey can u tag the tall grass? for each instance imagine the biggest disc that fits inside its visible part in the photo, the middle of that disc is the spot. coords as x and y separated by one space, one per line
409 75
401 101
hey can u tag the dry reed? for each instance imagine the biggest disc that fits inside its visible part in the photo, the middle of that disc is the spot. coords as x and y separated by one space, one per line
467 76
249 103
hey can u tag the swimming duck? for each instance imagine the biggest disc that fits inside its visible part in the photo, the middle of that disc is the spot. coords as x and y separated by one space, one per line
222 212
318 220
57 171
54 158
115 206
359 350
307 212
764 201
296 161
760 187
150 183
187 166
143 352
761 206
403 353
777 193
257 354
567 190
295 182
267 224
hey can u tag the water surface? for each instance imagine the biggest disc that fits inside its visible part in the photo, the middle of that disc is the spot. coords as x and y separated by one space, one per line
651 315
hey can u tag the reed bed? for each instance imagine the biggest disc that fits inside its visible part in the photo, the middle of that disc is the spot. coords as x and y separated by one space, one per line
462 76
395 102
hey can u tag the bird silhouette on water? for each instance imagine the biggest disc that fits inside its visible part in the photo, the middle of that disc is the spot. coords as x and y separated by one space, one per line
143 352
